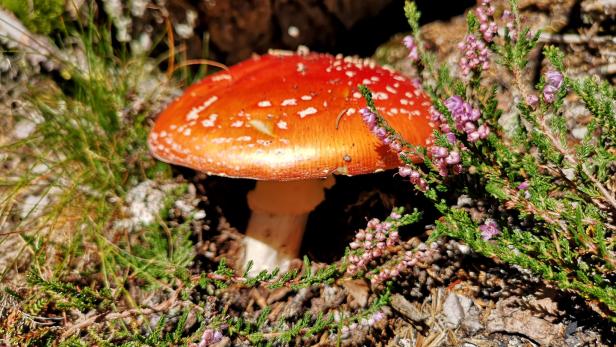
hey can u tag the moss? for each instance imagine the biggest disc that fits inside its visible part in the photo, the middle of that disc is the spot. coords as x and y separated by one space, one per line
39 16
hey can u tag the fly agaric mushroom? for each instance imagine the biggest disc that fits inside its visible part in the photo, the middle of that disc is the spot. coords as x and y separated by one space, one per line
289 121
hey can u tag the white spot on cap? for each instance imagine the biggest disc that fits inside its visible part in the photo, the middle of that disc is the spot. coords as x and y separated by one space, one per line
307 112
357 95
380 96
350 73
408 95
194 112
244 138
306 97
221 77
404 102
154 136
374 78
287 102
391 89
301 67
393 110
210 121
187 132
237 124
366 81
350 111
163 133
282 124
399 78
264 103
221 140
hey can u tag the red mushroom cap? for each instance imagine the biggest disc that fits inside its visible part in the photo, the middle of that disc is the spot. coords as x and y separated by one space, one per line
288 117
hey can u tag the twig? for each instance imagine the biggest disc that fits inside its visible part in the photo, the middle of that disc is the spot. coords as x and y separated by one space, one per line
556 143
72 329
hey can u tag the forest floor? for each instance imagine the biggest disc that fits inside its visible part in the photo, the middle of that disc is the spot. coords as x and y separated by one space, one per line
64 244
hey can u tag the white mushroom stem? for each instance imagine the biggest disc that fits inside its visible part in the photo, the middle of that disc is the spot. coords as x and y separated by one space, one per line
279 214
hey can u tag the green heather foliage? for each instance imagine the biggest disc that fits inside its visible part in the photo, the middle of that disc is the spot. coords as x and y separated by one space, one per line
561 227
40 16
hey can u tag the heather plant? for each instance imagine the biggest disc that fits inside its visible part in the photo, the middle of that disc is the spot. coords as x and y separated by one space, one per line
549 201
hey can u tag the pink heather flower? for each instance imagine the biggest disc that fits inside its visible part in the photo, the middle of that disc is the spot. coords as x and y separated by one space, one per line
509 19
473 137
475 55
368 117
532 100
549 93
451 137
489 229
487 27
395 146
523 186
455 104
371 243
465 117
435 115
405 171
209 337
553 82
453 158
554 78
469 127
409 42
483 131
380 133
439 152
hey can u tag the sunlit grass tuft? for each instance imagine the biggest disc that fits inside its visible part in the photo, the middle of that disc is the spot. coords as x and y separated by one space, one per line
65 184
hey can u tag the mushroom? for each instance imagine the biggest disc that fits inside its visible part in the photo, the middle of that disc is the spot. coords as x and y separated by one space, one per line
289 121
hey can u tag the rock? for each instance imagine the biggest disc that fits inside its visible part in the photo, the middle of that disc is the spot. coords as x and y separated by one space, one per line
513 318
455 309
579 133
358 290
